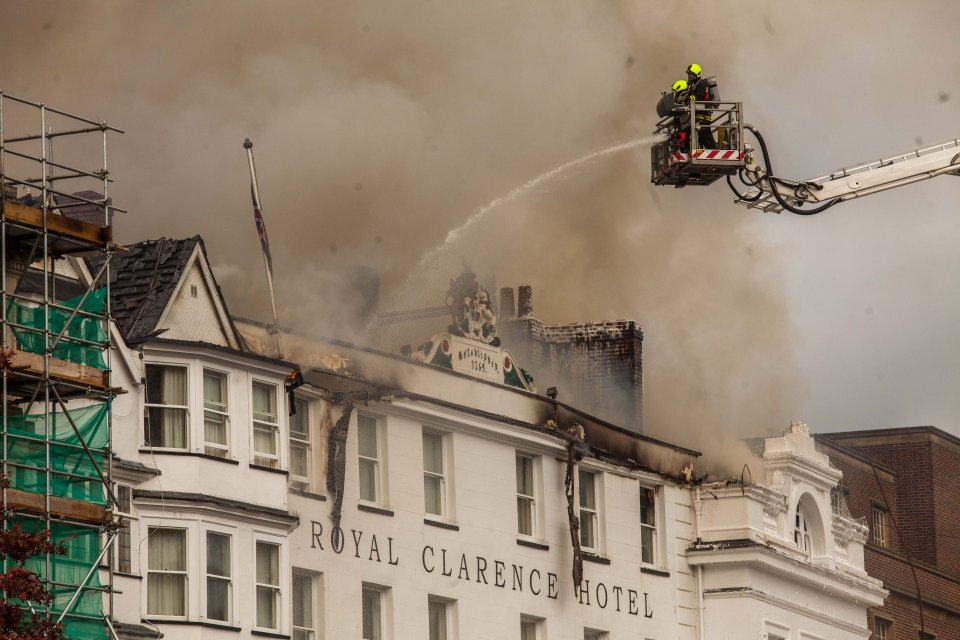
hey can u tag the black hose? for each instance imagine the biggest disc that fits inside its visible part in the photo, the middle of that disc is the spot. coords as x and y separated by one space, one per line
742 196
772 181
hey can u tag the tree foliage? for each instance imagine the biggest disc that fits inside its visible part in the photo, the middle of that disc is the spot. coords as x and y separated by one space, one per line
21 590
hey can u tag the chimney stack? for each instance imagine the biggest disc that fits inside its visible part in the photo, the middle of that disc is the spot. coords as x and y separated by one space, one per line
507 307
525 301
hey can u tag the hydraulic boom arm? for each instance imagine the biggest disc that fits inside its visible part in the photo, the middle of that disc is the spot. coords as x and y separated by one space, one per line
770 193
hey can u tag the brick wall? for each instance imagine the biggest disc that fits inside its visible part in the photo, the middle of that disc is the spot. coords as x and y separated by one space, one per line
597 366
919 469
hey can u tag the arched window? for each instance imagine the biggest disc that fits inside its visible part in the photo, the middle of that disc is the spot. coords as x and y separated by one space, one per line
801 531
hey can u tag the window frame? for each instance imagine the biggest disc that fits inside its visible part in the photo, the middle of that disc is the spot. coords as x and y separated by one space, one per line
444 476
383 604
539 626
125 530
878 512
654 528
225 412
185 573
595 634
534 500
596 512
379 463
147 405
230 534
260 458
303 481
315 580
801 532
276 588
887 630
449 617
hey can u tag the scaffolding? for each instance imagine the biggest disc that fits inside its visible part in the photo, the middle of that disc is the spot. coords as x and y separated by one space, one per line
56 355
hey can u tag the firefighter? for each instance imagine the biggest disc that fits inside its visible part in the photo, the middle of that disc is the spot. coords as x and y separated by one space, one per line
681 117
703 90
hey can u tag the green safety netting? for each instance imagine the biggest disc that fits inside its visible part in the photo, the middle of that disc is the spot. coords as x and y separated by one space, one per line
81 327
72 473
66 573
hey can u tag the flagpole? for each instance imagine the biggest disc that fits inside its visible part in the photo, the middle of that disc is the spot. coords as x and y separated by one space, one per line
266 264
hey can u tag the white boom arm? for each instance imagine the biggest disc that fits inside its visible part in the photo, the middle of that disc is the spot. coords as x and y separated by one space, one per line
853 182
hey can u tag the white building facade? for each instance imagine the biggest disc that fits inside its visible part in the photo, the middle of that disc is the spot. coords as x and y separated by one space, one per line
405 500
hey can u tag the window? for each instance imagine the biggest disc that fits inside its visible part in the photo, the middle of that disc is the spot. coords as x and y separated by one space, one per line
440 615
215 418
648 525
593 634
265 425
880 528
372 613
882 629
167 572
923 635
300 442
218 576
122 558
268 585
589 521
801 531
526 496
304 607
165 410
368 449
531 628
434 478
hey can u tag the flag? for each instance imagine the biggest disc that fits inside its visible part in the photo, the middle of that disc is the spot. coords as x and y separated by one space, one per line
261 230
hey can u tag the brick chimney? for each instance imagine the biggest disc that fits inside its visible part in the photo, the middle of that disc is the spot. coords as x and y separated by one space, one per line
525 301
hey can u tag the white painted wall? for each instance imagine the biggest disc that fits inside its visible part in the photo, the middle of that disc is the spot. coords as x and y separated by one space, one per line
485 496
193 312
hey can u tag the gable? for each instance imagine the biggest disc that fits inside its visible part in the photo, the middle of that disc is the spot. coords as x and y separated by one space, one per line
192 314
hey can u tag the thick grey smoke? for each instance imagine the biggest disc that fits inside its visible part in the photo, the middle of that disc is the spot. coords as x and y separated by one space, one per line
380 126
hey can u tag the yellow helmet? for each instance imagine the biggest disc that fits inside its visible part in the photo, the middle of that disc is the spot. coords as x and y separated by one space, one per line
694 70
679 86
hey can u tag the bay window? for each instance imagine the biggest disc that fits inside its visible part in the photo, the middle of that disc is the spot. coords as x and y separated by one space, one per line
215 417
266 425
166 410
167 572
218 576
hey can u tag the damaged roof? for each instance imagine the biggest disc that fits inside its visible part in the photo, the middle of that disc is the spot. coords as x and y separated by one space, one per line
144 278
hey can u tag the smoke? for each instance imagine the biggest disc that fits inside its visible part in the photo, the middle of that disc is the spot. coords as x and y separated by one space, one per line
379 127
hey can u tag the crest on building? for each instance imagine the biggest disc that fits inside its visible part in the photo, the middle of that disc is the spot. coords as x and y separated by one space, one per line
471 345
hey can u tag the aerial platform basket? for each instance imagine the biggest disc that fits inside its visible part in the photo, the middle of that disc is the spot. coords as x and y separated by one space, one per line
672 161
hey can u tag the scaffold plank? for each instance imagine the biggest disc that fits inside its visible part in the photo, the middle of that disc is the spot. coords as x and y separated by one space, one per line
60 507
59 369
57 223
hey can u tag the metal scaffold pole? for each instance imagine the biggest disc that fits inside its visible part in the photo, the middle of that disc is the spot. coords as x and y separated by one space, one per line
55 351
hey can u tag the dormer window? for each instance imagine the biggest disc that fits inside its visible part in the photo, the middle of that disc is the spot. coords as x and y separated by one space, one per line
166 411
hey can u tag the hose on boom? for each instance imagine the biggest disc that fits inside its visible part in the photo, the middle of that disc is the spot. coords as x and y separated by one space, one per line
773 181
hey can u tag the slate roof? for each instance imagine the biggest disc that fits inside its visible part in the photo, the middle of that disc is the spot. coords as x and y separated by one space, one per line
86 212
142 281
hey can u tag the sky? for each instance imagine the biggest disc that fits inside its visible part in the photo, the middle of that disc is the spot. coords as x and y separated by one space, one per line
380 127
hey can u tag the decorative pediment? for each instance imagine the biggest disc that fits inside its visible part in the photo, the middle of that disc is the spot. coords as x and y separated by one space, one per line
471 345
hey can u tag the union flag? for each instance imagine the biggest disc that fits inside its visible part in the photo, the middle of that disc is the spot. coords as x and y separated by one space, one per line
261 230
